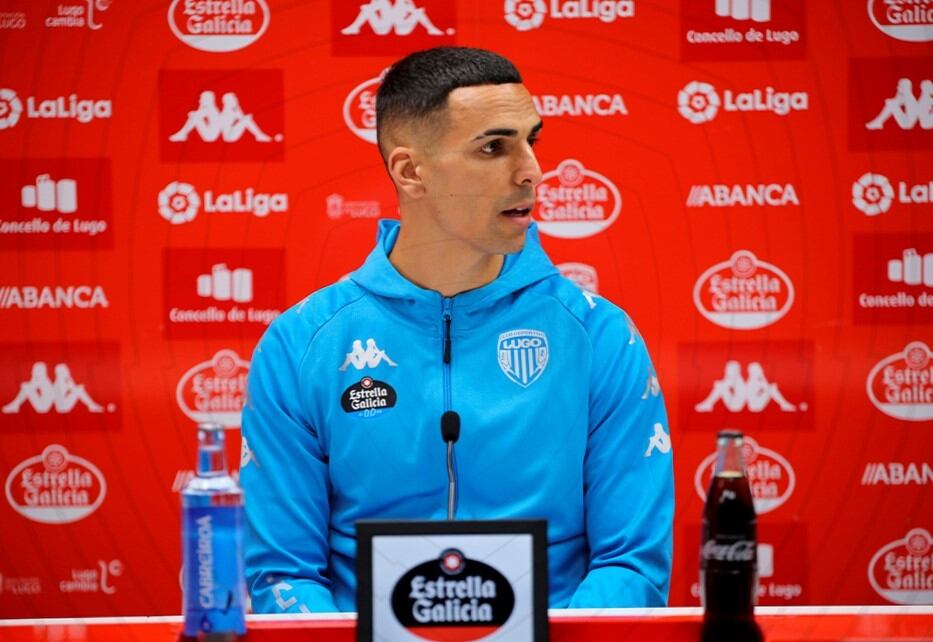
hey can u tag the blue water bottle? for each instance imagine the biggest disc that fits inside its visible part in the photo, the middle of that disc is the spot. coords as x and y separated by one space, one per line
212 545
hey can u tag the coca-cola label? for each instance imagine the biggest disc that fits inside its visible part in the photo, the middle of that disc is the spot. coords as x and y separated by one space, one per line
575 202
901 385
900 571
742 550
359 109
743 293
771 478
55 487
214 391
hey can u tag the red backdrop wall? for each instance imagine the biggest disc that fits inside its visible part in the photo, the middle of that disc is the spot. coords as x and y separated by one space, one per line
751 180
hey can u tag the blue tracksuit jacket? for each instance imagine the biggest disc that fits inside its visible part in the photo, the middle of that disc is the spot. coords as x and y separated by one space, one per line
561 417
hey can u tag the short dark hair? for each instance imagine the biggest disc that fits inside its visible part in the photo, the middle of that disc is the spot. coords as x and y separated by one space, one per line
416 87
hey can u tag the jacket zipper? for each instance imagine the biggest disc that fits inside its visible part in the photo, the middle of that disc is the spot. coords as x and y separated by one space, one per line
446 361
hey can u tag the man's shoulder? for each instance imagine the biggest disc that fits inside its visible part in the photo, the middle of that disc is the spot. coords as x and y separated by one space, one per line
303 320
593 311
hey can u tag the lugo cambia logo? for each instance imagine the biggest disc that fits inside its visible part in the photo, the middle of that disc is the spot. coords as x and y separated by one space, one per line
901 385
900 571
55 487
453 598
743 293
770 476
214 390
218 26
575 202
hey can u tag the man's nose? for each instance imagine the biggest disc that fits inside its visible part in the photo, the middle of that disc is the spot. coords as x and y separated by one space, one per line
528 171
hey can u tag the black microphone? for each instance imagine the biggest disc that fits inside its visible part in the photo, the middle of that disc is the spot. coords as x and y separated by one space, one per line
450 433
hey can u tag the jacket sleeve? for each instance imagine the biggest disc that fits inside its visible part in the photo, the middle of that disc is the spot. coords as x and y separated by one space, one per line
628 473
285 482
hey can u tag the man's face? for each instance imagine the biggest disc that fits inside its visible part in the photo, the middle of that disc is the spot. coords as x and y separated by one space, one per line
479 171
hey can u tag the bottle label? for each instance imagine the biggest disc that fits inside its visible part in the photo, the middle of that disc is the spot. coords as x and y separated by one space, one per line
214 583
742 550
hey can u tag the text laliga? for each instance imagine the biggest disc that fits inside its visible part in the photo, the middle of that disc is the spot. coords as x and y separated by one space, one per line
779 102
82 110
605 10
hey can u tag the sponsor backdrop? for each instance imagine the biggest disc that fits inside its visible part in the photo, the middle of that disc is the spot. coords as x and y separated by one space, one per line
751 179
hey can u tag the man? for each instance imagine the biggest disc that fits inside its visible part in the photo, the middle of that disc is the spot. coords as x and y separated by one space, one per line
459 309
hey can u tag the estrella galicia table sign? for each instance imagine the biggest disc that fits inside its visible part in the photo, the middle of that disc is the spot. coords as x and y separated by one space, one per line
452 581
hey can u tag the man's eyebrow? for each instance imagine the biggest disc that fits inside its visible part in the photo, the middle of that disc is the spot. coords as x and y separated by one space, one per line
508 132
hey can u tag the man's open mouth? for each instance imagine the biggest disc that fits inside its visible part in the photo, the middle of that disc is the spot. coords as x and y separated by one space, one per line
517 212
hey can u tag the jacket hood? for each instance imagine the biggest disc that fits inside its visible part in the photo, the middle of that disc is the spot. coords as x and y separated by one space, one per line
519 270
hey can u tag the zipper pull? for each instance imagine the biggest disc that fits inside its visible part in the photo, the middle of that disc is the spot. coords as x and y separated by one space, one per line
446 338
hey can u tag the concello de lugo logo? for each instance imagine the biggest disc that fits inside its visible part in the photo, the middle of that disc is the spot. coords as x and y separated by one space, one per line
55 487
743 293
901 385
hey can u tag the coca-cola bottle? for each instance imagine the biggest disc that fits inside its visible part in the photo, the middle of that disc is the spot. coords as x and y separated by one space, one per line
728 555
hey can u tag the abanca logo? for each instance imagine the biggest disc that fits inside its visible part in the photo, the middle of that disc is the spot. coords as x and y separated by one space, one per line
900 571
215 390
770 476
743 293
55 487
901 385
575 202
218 25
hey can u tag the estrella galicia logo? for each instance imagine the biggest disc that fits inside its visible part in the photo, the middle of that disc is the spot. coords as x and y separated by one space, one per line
523 355
453 598
368 397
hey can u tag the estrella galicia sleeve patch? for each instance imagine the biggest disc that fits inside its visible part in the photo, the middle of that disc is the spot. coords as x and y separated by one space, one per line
368 396
453 598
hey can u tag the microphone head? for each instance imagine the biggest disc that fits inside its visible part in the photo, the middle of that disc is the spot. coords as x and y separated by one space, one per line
450 426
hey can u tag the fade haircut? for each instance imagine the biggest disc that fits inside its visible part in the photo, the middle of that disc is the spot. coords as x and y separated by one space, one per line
416 87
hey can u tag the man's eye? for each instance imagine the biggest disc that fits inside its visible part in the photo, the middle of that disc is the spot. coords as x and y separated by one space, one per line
492 147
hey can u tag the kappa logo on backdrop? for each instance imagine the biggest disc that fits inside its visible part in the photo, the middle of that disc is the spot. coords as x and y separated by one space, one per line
770 476
77 14
229 116
359 109
748 195
526 15
753 392
452 593
179 202
874 194
580 105
218 26
900 571
61 393
215 390
93 580
575 202
699 102
391 27
582 274
908 20
889 103
660 441
523 355
743 293
339 207
55 487
70 107
67 297
742 29
901 385
371 357
896 473
55 203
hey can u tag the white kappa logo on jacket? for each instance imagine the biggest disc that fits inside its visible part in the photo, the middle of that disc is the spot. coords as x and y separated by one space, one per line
371 357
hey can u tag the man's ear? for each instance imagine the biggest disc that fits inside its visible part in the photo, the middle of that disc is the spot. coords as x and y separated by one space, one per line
403 167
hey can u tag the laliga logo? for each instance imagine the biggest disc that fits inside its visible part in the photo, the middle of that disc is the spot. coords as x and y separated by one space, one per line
575 202
526 15
359 109
453 598
903 19
55 487
698 102
218 26
214 390
179 203
10 108
771 478
900 571
872 194
743 293
901 385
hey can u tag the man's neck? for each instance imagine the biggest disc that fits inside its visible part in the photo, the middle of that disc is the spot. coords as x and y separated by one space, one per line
446 266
